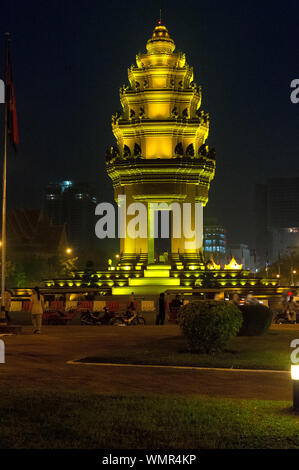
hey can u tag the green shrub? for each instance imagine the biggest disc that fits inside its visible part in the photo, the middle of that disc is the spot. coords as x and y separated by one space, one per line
208 325
256 320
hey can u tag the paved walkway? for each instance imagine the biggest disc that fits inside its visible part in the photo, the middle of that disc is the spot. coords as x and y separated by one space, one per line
40 361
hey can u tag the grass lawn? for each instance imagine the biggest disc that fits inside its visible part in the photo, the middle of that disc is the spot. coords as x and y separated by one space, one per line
271 351
70 420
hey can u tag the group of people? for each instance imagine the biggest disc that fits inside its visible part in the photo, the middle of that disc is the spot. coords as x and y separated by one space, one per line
288 307
250 299
288 311
174 308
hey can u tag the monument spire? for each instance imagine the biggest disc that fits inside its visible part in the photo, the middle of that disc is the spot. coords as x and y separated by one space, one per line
160 20
161 154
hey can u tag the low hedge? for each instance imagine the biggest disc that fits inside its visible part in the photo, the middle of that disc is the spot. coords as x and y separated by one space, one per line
256 320
208 325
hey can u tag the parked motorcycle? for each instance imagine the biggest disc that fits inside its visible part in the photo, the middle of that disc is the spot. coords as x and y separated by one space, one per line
125 320
280 318
97 318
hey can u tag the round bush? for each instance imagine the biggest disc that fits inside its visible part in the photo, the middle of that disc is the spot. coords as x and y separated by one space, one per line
256 320
208 325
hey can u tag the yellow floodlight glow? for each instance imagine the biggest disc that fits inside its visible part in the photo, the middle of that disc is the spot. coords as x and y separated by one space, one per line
126 268
295 371
233 265
213 266
68 251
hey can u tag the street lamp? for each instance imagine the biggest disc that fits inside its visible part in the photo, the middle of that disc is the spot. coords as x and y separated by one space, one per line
68 251
295 379
293 272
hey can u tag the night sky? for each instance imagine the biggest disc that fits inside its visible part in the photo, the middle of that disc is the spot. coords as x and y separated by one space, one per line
70 57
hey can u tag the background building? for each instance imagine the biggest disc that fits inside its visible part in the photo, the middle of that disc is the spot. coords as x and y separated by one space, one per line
244 255
73 204
214 240
277 218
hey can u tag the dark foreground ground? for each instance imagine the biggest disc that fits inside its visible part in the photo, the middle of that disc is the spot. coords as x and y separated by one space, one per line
46 402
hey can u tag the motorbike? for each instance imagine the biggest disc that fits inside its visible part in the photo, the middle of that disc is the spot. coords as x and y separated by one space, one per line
280 318
126 320
97 318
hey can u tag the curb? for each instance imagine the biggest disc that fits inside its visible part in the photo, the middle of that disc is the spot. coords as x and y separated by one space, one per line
157 366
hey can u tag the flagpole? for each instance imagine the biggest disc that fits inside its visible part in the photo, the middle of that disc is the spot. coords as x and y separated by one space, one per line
3 246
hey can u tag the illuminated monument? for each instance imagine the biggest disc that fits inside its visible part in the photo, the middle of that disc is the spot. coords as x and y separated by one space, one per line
161 154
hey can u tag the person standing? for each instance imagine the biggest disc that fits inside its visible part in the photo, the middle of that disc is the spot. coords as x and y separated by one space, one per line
37 310
250 300
161 314
234 299
132 301
291 310
174 308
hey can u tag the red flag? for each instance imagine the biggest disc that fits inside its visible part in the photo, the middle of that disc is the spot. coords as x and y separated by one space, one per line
12 122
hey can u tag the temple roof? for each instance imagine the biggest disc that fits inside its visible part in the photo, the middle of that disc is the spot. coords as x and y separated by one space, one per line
30 230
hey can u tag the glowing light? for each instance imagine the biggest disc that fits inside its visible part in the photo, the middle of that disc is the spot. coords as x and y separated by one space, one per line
152 281
68 251
156 272
295 372
213 265
233 265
